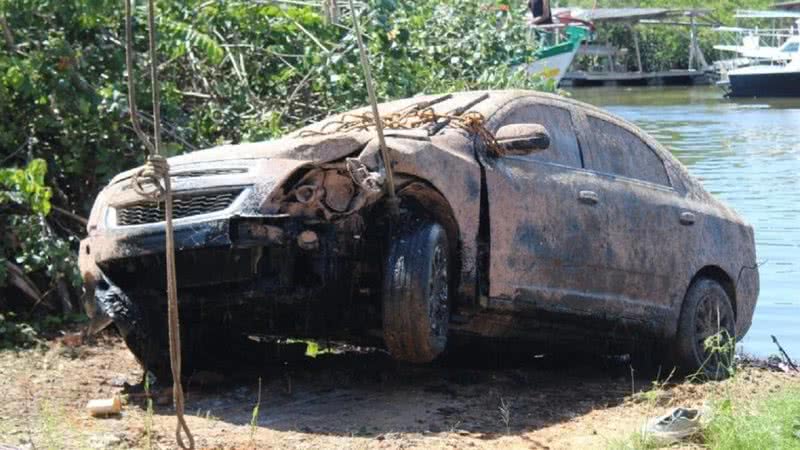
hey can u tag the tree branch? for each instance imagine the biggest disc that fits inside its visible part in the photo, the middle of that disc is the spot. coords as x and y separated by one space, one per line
18 279
70 215
9 36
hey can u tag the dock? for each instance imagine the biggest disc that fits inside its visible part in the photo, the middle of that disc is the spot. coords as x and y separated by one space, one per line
666 78
610 65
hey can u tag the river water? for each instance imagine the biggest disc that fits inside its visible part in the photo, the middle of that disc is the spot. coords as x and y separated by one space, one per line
747 153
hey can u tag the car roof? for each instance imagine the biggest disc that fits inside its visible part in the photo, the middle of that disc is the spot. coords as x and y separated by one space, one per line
496 99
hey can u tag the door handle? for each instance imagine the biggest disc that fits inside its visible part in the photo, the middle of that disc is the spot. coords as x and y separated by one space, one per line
687 218
588 197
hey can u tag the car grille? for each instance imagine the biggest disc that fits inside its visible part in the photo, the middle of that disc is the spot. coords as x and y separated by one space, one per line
209 172
183 206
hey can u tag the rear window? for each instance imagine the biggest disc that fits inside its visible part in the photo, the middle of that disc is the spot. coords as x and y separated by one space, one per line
614 150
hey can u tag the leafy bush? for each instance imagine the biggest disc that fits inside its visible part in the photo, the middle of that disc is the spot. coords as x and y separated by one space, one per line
27 239
231 71
15 334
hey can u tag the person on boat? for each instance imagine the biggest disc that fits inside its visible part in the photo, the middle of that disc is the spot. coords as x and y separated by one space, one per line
540 9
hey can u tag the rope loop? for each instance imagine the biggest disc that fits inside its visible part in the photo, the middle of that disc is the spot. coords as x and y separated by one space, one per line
154 171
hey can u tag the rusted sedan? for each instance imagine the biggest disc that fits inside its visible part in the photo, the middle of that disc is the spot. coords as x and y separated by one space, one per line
574 227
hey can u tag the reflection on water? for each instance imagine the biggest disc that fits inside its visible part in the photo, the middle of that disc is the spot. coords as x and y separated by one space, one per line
747 153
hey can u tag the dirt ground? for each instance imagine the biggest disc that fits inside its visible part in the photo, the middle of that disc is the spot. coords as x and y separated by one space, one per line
352 400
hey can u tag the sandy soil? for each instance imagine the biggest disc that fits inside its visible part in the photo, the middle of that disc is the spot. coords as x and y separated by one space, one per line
361 400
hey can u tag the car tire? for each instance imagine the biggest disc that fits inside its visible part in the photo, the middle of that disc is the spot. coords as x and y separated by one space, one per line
706 311
416 293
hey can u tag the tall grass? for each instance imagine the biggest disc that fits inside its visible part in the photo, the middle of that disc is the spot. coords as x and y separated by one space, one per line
766 422
148 418
52 420
254 418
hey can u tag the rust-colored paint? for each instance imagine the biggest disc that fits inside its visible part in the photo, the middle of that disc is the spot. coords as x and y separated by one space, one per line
592 234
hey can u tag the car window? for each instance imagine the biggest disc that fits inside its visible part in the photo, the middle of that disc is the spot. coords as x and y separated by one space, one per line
614 150
558 122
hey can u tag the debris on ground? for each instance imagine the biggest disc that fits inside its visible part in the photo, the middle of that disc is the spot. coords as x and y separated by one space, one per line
773 363
104 407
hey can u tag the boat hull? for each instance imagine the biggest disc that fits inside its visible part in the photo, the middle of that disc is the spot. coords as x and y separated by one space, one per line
777 84
554 67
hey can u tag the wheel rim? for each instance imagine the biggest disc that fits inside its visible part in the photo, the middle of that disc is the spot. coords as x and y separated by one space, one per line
713 319
438 293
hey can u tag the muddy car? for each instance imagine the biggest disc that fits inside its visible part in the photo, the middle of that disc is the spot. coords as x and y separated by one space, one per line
573 228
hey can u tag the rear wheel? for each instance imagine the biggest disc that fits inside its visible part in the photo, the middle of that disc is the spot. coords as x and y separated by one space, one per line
705 340
416 293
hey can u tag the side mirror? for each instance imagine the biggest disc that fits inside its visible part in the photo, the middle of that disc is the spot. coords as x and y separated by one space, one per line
522 138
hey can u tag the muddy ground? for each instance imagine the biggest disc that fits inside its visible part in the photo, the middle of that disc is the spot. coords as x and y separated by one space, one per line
352 400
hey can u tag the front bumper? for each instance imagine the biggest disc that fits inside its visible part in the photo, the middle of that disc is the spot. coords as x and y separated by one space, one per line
208 252
127 242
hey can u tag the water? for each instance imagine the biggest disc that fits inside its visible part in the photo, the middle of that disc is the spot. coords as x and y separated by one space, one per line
747 153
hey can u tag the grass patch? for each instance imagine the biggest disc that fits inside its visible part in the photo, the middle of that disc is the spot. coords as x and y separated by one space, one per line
634 441
148 417
771 421
737 421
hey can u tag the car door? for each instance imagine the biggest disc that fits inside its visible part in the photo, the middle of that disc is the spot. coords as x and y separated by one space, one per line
547 231
647 220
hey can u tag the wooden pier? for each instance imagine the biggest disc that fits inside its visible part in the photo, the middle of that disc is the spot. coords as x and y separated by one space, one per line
666 78
607 66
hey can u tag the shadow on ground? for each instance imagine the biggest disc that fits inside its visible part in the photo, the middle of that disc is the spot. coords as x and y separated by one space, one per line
365 393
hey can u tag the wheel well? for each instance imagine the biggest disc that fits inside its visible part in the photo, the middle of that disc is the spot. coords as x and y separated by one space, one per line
720 276
426 200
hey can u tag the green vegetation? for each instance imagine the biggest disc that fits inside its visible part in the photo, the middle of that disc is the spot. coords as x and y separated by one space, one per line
23 191
148 416
768 421
29 331
739 420
231 71
254 416
16 334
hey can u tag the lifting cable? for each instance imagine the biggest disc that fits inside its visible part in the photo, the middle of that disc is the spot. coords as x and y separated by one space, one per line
154 172
415 116
392 201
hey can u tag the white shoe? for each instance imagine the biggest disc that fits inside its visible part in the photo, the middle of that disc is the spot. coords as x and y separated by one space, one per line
678 424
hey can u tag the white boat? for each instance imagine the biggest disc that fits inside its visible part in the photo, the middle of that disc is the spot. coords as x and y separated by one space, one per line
778 79
553 61
756 44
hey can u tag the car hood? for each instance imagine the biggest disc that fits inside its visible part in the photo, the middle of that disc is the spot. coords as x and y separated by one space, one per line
312 149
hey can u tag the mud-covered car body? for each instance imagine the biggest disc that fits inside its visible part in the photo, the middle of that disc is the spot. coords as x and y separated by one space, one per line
600 235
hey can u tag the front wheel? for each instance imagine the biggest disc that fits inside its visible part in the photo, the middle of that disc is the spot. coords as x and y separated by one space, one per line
416 293
705 340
